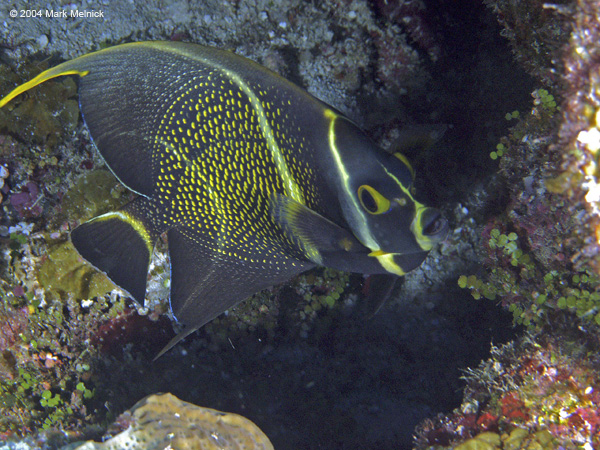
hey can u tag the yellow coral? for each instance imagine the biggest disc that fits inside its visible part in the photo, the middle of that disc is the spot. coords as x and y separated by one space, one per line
162 421
64 271
483 441
518 439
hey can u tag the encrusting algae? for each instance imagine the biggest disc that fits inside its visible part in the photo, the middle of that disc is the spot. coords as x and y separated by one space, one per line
64 272
162 421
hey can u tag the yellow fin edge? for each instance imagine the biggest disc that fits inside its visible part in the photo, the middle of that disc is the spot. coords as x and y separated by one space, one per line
134 223
44 76
387 262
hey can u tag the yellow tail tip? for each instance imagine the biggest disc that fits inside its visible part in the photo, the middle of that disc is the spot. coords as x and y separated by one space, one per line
44 76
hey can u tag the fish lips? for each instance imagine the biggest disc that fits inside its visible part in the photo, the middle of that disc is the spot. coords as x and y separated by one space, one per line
433 229
435 226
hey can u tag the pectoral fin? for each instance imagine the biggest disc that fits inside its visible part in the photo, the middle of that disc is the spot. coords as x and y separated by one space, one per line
378 289
316 235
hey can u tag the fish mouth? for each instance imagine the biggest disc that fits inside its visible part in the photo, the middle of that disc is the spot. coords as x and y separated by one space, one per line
434 225
429 227
433 228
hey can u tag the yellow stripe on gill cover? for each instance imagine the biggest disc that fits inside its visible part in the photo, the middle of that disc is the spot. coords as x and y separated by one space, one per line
138 226
365 235
424 242
405 160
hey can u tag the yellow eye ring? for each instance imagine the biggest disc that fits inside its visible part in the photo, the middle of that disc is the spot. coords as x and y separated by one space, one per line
372 201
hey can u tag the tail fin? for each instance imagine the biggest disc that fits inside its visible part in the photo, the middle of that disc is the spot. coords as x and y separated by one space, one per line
122 93
67 68
120 244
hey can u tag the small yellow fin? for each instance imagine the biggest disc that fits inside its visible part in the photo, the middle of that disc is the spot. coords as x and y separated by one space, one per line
54 72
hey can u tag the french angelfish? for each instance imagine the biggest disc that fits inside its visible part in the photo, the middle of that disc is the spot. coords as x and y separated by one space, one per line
253 179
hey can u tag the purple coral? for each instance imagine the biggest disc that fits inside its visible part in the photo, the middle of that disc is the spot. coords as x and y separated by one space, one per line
27 202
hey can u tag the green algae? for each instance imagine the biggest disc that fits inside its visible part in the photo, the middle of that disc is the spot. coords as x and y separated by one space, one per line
64 271
551 290
93 194
301 306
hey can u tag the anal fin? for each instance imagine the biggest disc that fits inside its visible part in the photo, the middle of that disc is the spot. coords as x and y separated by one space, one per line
379 288
206 281
120 244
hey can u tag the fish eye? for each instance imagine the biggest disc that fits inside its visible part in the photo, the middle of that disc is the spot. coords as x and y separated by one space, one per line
372 201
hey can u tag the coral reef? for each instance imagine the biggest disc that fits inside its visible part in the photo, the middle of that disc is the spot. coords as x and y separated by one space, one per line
542 392
578 134
163 421
541 252
46 364
411 15
74 352
537 31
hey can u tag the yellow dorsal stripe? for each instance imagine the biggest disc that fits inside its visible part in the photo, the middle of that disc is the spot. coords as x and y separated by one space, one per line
69 68
72 67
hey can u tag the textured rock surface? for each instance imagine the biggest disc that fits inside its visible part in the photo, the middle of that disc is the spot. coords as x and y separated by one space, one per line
163 421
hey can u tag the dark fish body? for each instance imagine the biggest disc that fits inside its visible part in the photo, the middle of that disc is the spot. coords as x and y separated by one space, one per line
253 179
